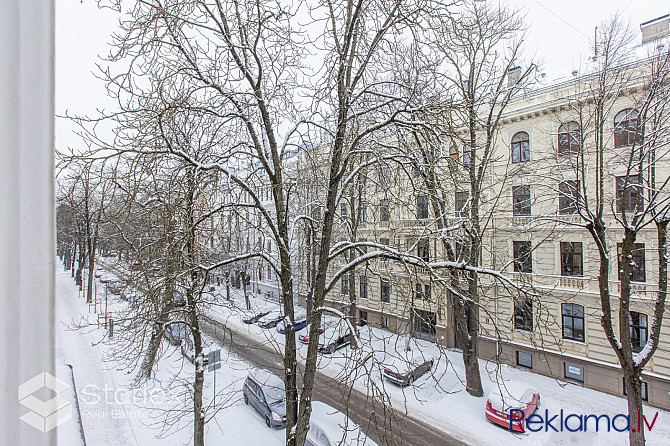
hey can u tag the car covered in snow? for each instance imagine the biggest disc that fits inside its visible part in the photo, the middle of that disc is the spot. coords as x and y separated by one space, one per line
300 322
335 337
403 371
265 392
506 399
330 427
252 319
188 348
271 319
175 333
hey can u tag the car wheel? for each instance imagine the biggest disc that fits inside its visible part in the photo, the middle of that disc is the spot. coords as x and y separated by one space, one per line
538 402
246 399
268 422
411 380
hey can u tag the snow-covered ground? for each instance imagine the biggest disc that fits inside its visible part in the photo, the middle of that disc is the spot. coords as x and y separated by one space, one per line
440 398
113 414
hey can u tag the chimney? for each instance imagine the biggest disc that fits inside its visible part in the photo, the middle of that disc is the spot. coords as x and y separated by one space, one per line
655 29
513 76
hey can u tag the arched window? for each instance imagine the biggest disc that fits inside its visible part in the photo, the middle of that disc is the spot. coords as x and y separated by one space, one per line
568 138
520 147
627 129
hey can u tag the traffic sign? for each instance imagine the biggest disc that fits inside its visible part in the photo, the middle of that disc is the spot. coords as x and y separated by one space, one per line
214 357
213 367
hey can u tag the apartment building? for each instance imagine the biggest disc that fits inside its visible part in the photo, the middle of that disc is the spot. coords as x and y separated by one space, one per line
534 236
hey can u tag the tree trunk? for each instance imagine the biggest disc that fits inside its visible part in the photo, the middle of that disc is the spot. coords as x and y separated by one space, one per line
634 399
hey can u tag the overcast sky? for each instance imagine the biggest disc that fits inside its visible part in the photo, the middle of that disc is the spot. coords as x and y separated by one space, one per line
558 36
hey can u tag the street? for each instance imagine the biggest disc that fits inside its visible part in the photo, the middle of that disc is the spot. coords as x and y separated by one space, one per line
383 424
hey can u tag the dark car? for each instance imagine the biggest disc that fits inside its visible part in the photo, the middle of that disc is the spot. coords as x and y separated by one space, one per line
405 372
300 322
334 338
175 333
270 320
265 392
255 318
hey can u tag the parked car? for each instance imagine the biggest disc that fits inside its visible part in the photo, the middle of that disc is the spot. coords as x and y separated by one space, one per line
188 349
265 392
270 320
330 427
404 371
179 299
334 338
254 318
115 286
510 396
304 338
175 333
300 318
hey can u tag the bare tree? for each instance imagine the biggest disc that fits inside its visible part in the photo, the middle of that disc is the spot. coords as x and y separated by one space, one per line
621 133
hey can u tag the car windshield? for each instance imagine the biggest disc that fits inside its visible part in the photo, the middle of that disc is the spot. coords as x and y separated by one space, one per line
275 394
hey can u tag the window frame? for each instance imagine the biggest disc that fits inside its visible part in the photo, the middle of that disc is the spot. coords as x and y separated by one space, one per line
628 194
571 254
524 265
627 130
384 210
644 389
636 326
345 284
569 132
568 197
639 270
523 314
571 318
521 201
571 375
384 290
421 207
423 249
363 287
519 362
462 204
519 155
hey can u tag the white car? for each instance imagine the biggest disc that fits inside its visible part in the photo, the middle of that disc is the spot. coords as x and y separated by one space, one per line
330 427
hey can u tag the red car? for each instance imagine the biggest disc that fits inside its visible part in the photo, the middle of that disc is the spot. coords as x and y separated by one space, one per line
508 396
304 338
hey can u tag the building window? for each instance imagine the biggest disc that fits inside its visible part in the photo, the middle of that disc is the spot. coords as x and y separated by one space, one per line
344 211
521 200
363 317
571 258
363 287
421 207
627 129
466 157
385 322
520 147
524 359
568 197
422 292
523 314
573 371
523 260
345 284
638 330
573 322
384 210
385 173
363 212
462 204
637 273
645 395
384 290
568 138
423 249
628 196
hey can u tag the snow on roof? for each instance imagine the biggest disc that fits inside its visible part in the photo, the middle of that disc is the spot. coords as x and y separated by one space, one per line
510 395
